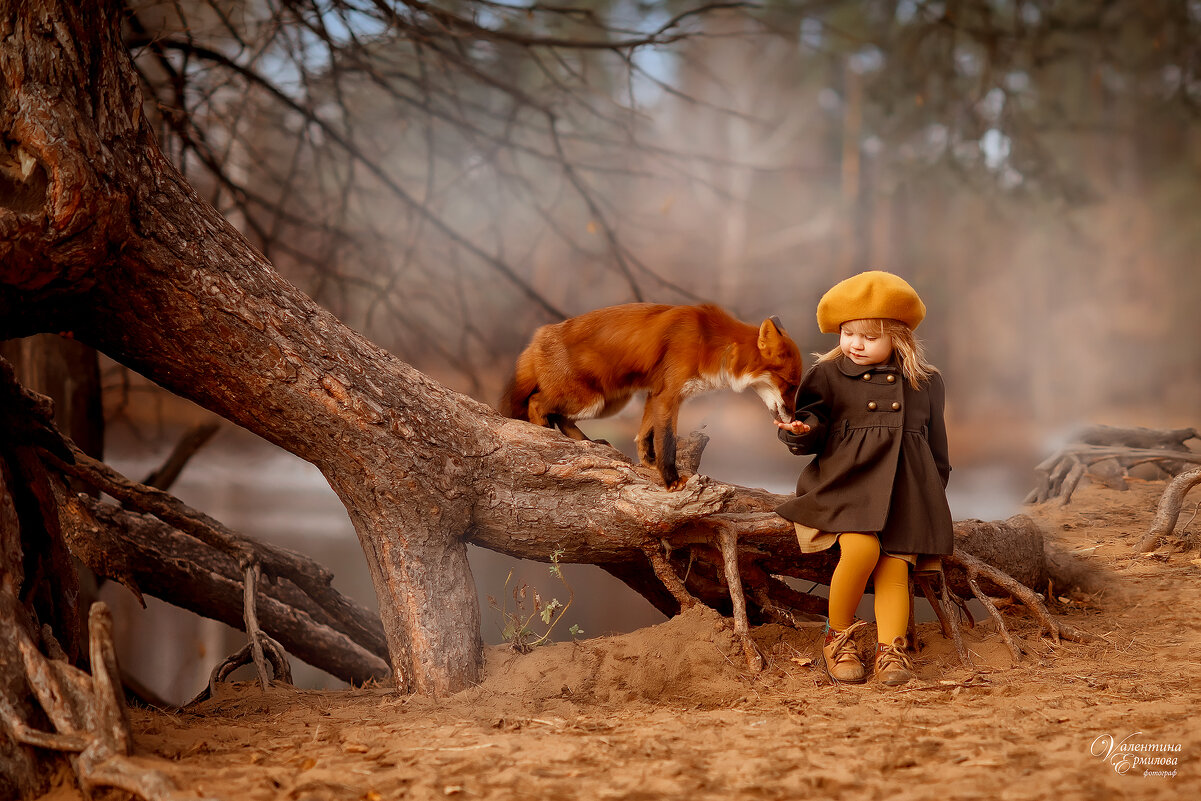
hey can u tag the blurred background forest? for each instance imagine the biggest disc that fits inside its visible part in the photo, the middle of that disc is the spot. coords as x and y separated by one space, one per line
447 176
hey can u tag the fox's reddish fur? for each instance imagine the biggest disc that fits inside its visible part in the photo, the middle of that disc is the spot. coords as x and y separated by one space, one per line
589 366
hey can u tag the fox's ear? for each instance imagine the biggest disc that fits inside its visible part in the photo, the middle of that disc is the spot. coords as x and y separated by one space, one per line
770 332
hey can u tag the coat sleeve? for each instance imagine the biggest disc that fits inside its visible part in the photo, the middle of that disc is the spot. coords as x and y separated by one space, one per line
938 429
813 409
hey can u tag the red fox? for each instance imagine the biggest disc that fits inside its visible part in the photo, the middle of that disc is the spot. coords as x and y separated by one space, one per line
589 366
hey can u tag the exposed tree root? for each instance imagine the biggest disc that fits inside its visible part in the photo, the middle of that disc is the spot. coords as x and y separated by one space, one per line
1030 599
1168 511
316 606
88 713
273 653
729 551
279 658
996 616
147 555
667 575
948 608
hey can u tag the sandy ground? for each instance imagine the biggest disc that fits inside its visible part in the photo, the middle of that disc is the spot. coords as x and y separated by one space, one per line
669 712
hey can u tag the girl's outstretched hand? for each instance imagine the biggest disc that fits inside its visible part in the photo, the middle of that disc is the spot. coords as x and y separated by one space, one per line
794 426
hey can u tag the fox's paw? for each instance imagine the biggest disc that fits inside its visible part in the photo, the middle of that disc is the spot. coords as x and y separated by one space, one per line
672 479
695 481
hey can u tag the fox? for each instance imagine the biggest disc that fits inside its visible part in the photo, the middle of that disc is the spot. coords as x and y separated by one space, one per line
589 367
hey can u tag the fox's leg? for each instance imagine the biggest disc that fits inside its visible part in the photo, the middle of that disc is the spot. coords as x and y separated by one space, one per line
540 415
537 414
666 413
646 435
568 427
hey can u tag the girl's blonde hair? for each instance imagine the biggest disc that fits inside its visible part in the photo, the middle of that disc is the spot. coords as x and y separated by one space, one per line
914 366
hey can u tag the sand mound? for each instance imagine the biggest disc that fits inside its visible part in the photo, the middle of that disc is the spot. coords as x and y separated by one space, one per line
690 659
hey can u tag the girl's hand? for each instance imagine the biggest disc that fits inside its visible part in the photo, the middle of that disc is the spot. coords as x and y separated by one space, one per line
795 427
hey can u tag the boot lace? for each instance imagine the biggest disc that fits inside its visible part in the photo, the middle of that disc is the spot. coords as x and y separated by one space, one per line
844 647
893 656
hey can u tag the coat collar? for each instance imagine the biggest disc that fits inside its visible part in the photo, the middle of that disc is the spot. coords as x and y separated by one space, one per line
849 368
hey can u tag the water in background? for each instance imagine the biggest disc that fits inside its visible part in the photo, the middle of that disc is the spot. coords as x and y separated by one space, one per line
266 493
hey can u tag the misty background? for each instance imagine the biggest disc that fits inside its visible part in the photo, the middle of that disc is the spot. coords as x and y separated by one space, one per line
448 178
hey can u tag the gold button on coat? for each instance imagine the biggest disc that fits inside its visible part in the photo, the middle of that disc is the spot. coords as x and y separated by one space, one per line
892 378
896 405
871 406
867 376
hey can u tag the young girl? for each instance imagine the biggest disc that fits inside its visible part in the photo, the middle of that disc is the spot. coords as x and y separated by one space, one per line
872 412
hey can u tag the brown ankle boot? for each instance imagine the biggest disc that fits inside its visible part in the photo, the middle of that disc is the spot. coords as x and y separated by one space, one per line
840 657
893 666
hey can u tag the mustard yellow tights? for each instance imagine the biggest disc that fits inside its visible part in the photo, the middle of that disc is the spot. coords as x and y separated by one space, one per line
860 559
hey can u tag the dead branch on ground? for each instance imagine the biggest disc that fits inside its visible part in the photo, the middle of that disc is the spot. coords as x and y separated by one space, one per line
1108 455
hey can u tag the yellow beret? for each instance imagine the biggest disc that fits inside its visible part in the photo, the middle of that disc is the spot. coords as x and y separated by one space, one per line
868 296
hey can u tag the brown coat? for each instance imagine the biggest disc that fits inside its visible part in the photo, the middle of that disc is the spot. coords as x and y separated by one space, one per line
881 456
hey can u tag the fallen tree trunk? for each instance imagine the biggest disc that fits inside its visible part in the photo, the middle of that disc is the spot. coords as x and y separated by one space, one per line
1140 438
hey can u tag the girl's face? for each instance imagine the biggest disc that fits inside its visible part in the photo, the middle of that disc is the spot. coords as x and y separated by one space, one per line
862 342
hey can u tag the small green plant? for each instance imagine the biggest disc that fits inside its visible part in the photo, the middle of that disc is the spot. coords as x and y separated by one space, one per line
527 605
